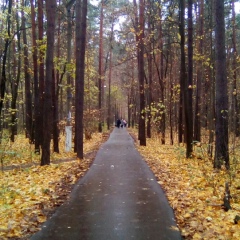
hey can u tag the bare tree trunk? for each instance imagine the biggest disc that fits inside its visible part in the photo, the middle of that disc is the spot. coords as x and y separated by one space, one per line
221 144
41 79
141 74
81 26
100 70
188 87
235 110
4 57
211 70
28 94
58 75
48 111
200 70
160 73
150 72
37 128
171 98
110 75
131 98
109 90
162 87
69 53
15 83
182 71
55 114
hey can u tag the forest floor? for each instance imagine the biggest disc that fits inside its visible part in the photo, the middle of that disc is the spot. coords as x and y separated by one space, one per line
29 194
195 190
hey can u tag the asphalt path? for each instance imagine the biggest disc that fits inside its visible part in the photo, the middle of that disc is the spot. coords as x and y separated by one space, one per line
118 199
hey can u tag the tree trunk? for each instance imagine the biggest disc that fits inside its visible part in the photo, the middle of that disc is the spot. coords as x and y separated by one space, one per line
221 143
55 114
200 70
110 74
38 99
28 94
171 104
4 57
161 81
15 84
109 90
211 71
37 129
182 71
235 110
81 26
100 71
69 53
59 73
47 107
150 72
141 74
189 86
160 73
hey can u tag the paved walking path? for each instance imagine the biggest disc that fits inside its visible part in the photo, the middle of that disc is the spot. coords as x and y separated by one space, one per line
118 199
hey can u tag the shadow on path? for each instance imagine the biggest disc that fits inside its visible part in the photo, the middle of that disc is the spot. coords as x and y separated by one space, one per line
118 199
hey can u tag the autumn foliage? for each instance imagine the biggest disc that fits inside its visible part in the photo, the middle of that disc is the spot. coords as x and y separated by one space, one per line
195 190
29 194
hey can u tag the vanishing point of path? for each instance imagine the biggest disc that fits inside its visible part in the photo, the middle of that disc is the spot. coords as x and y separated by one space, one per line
118 199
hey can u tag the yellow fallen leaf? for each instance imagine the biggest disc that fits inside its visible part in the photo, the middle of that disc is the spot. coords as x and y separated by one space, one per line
197 236
41 219
187 215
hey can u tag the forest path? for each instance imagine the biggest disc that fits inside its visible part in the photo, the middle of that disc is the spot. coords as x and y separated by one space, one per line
118 199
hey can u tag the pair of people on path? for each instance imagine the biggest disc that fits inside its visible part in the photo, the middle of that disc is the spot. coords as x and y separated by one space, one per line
121 123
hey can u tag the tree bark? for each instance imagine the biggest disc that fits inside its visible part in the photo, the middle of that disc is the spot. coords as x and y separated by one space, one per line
211 74
55 114
4 57
28 94
81 26
69 53
161 81
221 143
141 74
47 107
39 87
15 83
37 128
183 75
150 71
235 109
100 71
110 72
189 86
200 70
109 89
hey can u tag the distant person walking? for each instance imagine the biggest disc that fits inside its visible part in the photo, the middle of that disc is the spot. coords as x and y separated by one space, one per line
123 123
118 123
